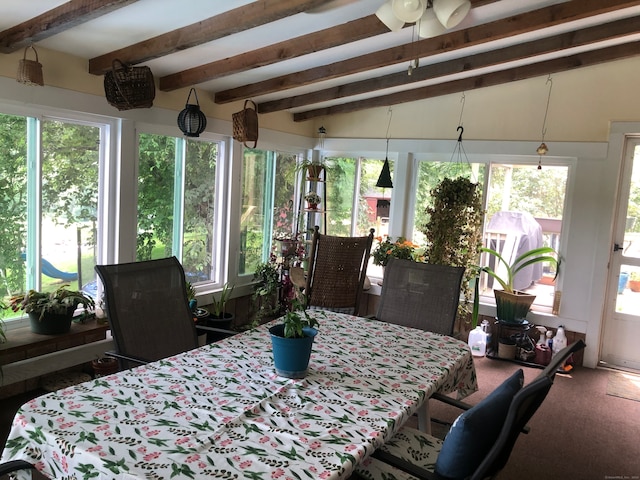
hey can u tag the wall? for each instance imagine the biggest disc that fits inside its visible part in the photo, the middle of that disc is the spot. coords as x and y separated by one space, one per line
583 103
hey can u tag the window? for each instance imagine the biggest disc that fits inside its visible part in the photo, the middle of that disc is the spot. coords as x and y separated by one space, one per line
49 172
535 196
269 205
177 203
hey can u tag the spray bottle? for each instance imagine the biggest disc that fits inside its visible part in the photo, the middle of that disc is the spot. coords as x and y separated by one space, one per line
560 340
543 352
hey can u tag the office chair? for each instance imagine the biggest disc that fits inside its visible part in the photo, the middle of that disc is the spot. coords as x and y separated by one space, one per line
420 295
148 310
337 272
480 441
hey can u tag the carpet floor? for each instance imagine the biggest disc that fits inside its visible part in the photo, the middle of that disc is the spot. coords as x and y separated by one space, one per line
624 385
580 432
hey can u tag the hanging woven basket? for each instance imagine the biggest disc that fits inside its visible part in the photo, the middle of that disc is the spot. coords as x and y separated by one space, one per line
128 87
30 71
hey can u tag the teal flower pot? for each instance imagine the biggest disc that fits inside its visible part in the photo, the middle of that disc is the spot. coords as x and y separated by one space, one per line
291 355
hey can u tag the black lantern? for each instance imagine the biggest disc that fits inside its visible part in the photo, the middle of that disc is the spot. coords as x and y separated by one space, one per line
191 121
384 180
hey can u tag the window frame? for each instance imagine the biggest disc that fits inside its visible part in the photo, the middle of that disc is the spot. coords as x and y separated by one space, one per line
220 273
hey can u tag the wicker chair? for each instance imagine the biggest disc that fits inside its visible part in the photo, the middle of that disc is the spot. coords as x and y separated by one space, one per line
420 295
337 272
148 310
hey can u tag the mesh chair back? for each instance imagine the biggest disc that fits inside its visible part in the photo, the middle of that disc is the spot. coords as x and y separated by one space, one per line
337 270
148 308
524 405
420 295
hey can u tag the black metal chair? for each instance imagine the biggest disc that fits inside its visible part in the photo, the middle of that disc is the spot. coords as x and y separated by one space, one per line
148 310
337 272
420 295
412 454
15 466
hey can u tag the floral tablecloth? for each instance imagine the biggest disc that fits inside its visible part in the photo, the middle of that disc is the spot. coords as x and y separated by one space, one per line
220 411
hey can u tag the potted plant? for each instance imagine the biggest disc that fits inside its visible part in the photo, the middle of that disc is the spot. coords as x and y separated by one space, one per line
634 282
513 305
266 292
292 341
401 248
454 235
51 312
313 199
218 310
314 169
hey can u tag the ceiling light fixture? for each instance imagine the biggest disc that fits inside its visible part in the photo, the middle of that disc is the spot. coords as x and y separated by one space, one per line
384 180
432 16
191 121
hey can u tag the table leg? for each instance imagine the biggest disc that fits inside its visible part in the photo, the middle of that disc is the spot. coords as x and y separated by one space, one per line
424 418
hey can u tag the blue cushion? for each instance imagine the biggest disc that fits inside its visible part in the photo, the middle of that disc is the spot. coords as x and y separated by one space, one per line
475 431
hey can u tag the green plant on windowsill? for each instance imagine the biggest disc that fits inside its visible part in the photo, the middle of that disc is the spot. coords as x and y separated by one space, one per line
60 301
219 306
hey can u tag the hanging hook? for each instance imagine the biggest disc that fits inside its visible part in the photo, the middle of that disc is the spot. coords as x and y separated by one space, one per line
461 128
463 99
390 113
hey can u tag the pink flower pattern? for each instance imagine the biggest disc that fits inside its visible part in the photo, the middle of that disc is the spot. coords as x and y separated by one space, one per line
224 401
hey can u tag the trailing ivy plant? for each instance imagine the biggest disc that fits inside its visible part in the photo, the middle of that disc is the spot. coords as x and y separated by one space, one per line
454 231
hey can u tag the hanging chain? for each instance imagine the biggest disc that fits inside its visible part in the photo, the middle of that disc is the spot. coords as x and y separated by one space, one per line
542 149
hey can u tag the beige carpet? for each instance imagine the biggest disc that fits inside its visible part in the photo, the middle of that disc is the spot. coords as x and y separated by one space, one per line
624 385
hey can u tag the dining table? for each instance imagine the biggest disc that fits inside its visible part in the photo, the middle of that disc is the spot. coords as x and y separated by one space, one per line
221 411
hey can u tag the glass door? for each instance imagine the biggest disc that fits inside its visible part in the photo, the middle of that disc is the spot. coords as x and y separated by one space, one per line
622 322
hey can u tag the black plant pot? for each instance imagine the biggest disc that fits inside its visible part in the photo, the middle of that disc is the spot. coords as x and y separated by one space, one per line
223 322
51 323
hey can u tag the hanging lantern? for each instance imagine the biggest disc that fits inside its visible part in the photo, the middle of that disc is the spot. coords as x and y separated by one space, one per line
384 180
191 121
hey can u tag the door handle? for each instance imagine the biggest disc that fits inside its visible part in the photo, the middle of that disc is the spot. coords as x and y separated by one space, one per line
617 247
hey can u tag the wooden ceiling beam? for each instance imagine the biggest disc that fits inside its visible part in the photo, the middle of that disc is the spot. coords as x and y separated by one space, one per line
585 36
56 20
331 37
499 29
547 67
233 21
296 47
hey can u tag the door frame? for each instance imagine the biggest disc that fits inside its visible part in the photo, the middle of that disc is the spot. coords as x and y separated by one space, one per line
631 142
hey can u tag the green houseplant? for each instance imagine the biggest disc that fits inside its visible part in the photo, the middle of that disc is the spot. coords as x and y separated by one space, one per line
454 233
292 340
266 292
513 305
219 306
51 312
